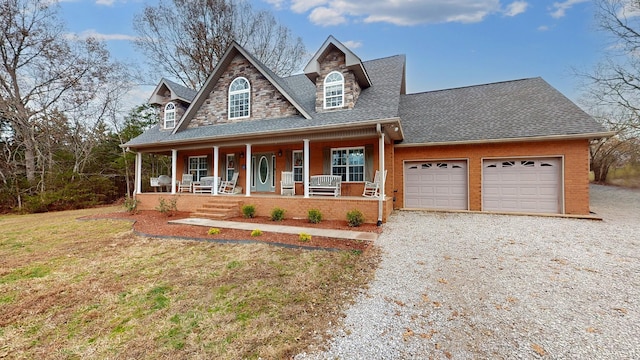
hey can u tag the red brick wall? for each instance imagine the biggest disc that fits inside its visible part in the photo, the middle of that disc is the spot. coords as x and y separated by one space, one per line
295 207
576 166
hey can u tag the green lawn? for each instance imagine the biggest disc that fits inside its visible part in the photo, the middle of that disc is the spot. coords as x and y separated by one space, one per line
92 289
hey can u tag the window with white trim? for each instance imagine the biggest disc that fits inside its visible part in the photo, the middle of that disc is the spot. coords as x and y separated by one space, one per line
169 116
298 164
349 163
231 166
239 93
333 90
198 167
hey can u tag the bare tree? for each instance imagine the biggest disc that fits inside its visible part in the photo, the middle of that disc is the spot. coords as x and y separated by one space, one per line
185 39
43 71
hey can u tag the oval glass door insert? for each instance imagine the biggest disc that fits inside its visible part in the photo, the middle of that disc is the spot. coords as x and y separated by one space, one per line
264 170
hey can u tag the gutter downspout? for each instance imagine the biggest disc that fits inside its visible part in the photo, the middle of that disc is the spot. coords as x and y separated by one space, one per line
381 196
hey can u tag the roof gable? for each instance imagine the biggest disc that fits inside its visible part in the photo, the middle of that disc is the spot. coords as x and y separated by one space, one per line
177 91
218 72
352 61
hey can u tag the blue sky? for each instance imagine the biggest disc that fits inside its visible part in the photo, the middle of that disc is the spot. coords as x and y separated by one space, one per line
447 43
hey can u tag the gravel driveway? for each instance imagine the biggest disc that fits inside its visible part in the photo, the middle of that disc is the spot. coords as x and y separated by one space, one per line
479 286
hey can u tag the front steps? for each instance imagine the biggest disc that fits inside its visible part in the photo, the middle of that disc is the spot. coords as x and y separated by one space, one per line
219 209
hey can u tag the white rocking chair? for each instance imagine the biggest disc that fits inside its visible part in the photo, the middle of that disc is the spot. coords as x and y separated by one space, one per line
287 185
372 188
229 186
185 184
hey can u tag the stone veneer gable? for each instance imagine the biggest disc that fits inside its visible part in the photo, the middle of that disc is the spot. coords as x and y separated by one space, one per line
334 60
265 102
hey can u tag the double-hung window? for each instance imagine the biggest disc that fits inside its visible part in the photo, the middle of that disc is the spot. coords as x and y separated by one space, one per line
348 163
170 116
333 90
198 167
239 93
298 163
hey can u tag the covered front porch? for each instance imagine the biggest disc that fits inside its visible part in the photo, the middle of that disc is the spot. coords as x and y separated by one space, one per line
257 170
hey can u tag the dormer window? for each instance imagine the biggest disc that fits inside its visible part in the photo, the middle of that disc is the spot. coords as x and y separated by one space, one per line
333 90
170 116
239 91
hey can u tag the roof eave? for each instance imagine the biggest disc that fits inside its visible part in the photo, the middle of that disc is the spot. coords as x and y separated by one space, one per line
588 136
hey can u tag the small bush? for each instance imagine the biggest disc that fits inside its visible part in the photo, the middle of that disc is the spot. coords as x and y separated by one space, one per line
256 232
355 218
304 237
314 216
248 211
131 205
213 231
167 208
277 214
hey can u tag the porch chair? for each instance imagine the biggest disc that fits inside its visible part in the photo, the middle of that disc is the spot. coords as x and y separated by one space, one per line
229 186
287 185
185 183
372 188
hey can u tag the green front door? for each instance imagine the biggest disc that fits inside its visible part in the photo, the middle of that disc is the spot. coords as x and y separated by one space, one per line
263 166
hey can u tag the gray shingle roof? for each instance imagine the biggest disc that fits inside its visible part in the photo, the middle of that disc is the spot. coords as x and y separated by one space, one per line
512 109
180 91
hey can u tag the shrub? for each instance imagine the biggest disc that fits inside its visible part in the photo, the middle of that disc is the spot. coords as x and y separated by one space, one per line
314 216
355 218
277 214
131 204
213 231
304 237
167 208
248 211
256 232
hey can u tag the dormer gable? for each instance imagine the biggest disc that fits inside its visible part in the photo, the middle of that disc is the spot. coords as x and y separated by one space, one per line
171 101
339 76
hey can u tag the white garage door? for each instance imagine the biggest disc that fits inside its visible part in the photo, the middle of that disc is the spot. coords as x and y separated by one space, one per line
436 185
522 185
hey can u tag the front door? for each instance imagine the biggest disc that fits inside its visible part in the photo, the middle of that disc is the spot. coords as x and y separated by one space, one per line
263 172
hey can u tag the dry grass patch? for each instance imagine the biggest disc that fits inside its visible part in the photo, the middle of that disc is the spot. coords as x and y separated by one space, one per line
92 289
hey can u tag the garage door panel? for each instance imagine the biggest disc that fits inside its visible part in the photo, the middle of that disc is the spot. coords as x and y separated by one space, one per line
531 185
442 184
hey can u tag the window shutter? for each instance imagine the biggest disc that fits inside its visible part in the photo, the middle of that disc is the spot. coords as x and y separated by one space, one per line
288 159
210 165
326 161
222 171
236 165
368 162
185 169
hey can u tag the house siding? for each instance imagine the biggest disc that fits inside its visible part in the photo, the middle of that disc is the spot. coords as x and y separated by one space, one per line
575 171
265 100
335 61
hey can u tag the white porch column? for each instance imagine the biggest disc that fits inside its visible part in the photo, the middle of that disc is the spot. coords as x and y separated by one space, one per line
305 171
138 175
248 170
174 169
382 177
216 153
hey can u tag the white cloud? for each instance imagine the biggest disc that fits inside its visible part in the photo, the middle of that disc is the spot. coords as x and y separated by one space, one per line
559 9
326 17
543 28
398 12
516 8
103 37
105 2
352 44
300 6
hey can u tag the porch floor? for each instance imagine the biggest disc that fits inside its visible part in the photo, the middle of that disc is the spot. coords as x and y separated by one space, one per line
339 234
